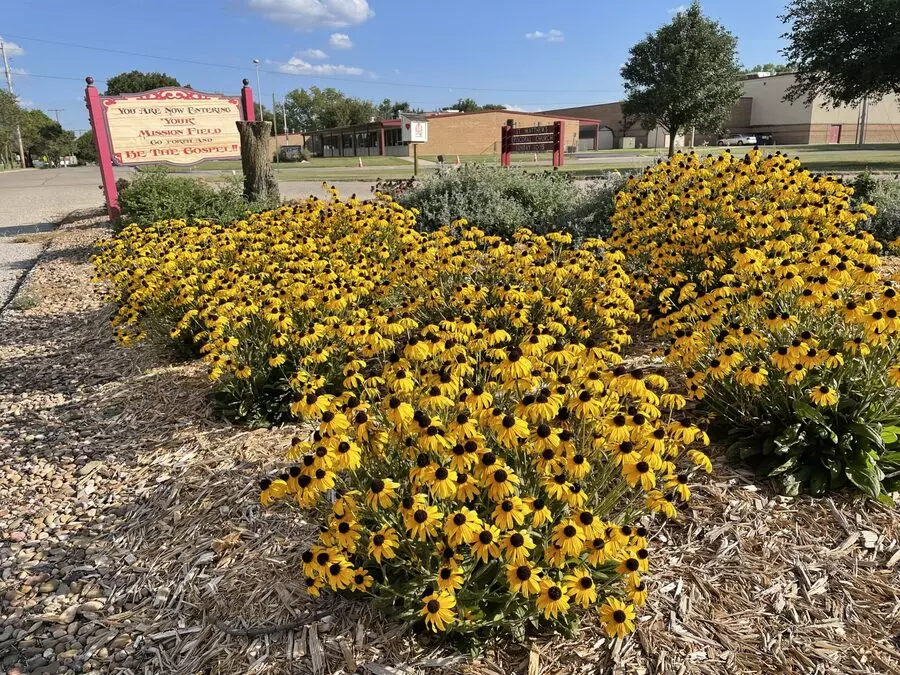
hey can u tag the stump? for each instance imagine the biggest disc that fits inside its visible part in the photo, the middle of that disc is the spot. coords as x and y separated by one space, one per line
260 183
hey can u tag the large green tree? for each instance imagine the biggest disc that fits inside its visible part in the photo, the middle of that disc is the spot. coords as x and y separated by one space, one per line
471 105
844 49
136 81
44 137
776 68
85 148
313 109
10 115
685 74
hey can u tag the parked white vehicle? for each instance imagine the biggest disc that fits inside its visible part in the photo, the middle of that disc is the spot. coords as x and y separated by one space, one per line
738 139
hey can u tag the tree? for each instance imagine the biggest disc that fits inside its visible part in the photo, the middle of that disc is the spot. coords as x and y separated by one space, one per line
388 109
135 81
844 49
44 137
85 148
469 105
326 108
776 68
10 114
685 74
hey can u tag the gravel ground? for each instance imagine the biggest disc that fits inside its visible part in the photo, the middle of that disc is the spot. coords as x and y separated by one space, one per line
131 539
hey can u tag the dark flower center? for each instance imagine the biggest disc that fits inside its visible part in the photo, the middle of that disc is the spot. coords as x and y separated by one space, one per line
554 593
433 606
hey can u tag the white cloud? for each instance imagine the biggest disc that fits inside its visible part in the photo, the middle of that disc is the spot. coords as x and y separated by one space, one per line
314 54
552 35
340 41
517 108
17 71
297 66
12 49
309 14
677 10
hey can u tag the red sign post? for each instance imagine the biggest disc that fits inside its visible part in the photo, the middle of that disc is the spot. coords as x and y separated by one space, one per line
172 125
533 139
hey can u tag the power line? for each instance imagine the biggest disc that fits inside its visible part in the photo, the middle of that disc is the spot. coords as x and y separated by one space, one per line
320 77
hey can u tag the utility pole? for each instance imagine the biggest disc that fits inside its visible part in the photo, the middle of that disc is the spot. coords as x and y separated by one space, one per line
12 93
275 127
57 111
284 118
259 97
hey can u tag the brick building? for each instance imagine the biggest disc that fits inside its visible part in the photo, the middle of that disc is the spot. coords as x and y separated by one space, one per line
449 134
761 109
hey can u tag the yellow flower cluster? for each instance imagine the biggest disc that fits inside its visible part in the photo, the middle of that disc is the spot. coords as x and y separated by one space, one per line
477 451
774 306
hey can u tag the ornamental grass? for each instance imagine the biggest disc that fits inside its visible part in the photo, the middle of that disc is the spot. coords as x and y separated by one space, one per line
762 278
479 458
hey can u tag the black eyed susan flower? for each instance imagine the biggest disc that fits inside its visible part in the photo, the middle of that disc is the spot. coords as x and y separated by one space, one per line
422 522
383 544
637 591
523 579
438 610
617 618
382 492
516 547
271 489
552 599
486 544
540 513
450 578
823 396
569 537
509 513
462 526
580 587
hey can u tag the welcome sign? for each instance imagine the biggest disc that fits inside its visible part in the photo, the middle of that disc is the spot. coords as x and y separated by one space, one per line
172 125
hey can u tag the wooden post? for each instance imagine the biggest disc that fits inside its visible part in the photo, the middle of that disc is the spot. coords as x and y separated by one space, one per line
247 102
415 159
104 149
259 179
559 141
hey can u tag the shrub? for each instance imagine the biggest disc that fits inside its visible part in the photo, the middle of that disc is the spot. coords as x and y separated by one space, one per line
488 455
884 195
501 201
775 309
157 194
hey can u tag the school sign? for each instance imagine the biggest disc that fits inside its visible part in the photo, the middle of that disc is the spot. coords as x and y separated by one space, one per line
172 125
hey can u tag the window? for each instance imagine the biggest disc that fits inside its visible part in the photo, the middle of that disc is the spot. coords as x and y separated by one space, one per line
393 137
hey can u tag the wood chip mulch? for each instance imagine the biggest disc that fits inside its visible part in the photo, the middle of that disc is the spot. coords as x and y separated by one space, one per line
131 540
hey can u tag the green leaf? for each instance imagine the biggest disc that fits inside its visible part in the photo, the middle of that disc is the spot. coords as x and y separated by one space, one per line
787 465
818 481
864 473
890 435
886 500
789 440
866 436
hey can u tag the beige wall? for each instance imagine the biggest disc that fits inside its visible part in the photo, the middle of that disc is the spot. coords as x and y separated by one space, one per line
479 133
609 115
293 139
885 111
768 108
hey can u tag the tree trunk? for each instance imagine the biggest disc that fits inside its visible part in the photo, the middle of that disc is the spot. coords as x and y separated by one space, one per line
672 135
260 183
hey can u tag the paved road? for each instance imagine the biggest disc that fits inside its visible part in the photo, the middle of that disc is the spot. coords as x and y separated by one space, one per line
34 200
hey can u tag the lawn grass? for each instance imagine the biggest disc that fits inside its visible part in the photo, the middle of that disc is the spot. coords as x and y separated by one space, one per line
313 164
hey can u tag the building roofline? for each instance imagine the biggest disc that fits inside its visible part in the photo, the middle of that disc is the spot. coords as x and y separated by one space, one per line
440 115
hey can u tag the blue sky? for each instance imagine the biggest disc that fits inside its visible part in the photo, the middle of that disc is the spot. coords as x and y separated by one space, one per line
526 54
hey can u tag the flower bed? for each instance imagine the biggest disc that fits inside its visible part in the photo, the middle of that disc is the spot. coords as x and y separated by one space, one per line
478 456
770 294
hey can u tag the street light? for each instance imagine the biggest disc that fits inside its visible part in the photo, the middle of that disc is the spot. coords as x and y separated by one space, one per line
258 90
